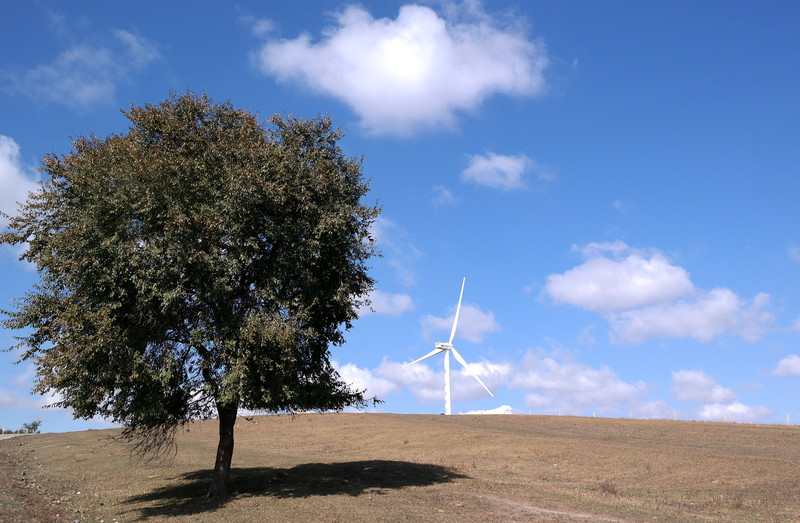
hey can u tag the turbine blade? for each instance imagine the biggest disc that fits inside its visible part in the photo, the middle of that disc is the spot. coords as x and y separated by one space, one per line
431 353
464 364
458 311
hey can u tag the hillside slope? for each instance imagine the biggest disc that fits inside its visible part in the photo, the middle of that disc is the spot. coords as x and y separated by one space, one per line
340 467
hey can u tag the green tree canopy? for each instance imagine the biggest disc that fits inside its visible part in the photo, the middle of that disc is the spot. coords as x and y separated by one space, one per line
32 426
199 263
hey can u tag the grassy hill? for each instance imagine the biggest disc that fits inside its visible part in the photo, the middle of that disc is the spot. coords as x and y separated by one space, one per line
367 467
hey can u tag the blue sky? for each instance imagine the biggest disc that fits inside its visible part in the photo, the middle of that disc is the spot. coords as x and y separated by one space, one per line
617 181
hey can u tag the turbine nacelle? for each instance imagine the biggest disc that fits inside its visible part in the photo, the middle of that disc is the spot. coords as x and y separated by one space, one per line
447 348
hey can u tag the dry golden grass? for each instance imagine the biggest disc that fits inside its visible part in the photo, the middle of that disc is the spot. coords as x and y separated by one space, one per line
368 467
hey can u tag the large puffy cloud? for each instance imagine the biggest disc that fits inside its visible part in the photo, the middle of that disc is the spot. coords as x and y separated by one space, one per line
363 379
619 282
788 366
473 323
415 71
697 386
425 383
560 384
85 75
15 182
644 296
708 316
720 403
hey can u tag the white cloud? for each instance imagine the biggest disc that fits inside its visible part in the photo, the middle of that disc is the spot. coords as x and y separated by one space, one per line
15 182
26 376
13 400
794 253
421 380
473 323
551 383
494 375
56 22
386 303
497 171
704 318
788 366
415 71
616 248
139 50
425 380
442 196
503 409
45 405
720 403
585 337
697 386
572 387
260 27
364 379
642 295
734 411
85 75
400 253
754 318
607 284
46 401
653 410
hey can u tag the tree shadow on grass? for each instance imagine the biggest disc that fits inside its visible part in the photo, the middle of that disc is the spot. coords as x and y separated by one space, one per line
353 478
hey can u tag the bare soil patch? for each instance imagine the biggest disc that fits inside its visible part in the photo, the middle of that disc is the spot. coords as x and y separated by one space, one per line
367 467
21 499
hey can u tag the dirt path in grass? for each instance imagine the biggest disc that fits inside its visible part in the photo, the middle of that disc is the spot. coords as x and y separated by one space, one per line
22 499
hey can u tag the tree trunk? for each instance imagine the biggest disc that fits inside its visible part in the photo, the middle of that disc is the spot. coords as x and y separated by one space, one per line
222 467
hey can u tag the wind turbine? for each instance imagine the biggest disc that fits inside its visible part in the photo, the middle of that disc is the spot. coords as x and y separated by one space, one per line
447 348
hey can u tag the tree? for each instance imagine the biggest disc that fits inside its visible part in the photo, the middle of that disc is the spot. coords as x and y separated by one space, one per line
199 263
33 426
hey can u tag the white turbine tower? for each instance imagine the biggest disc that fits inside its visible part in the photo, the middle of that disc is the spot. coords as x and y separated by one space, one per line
447 348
